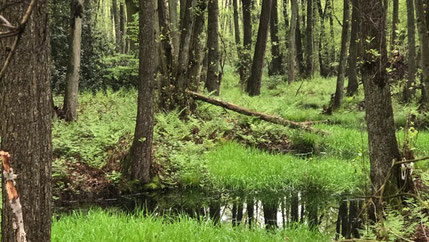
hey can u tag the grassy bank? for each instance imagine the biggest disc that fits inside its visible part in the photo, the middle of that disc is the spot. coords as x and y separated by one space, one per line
105 226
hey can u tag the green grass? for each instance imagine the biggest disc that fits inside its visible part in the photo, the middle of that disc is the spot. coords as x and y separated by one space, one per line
233 167
105 226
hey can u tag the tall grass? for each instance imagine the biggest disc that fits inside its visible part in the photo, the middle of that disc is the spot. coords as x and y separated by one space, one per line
105 226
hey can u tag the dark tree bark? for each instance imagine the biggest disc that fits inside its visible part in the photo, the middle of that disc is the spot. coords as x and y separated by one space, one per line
294 207
424 49
253 87
141 149
117 25
383 146
236 25
277 58
166 57
246 60
395 22
285 13
174 27
353 84
196 47
25 122
292 44
310 40
299 50
412 67
73 67
250 211
213 80
339 93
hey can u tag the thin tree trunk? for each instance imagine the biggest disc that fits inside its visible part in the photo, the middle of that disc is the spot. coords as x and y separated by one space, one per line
292 44
73 67
174 27
332 51
212 80
196 47
141 150
25 121
339 93
412 66
323 50
285 14
424 43
299 50
395 22
253 87
246 60
310 39
236 25
118 33
277 58
383 146
122 28
353 84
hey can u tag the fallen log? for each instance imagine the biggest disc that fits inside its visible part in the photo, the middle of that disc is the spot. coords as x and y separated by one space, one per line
13 197
262 116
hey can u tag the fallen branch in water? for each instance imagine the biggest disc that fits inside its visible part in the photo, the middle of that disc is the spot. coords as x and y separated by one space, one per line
13 197
263 116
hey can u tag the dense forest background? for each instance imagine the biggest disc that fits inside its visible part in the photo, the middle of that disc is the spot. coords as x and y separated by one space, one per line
213 120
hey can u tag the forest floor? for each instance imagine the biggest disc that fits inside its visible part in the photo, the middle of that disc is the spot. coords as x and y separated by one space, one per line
224 152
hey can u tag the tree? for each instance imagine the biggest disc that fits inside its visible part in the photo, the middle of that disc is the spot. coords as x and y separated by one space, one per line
339 92
117 26
412 67
26 119
424 43
253 87
174 23
277 58
383 147
246 59
292 44
141 150
73 67
353 84
213 80
395 21
310 36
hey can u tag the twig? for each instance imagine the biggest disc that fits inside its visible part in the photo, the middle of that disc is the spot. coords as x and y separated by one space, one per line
410 161
18 34
13 197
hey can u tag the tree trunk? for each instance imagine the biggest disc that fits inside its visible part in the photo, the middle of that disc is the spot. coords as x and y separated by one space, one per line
196 48
424 43
212 80
353 84
299 50
122 28
25 122
118 33
339 93
395 21
253 87
277 58
270 214
292 44
141 150
412 67
236 25
174 27
285 14
246 60
323 50
383 146
332 51
310 39
73 67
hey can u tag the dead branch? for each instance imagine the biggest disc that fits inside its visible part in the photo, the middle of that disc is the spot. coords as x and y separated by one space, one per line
15 32
262 116
13 197
411 161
